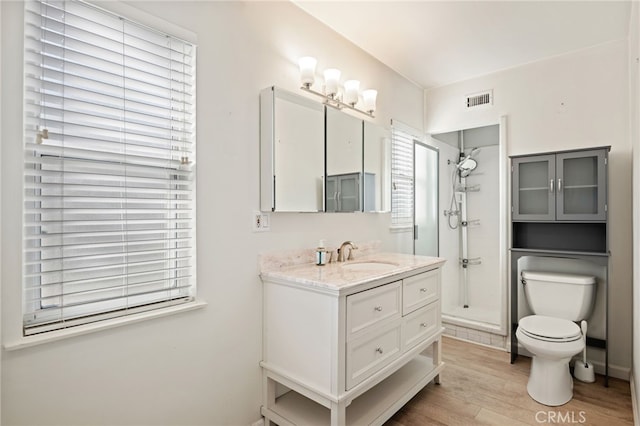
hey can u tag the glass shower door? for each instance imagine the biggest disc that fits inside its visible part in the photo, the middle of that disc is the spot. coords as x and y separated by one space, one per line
425 200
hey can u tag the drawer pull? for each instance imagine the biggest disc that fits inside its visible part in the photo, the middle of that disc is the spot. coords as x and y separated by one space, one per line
378 308
423 324
379 350
423 290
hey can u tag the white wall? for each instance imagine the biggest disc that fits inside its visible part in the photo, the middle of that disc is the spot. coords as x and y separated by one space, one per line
0 218
571 101
634 121
199 367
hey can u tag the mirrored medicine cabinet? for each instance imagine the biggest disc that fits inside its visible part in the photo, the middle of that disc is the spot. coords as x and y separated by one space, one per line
316 158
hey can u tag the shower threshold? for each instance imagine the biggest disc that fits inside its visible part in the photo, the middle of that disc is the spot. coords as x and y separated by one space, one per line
475 318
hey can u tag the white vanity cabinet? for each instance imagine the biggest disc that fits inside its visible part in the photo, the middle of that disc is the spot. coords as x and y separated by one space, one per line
349 348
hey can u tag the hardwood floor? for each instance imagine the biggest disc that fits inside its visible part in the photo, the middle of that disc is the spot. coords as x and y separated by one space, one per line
479 386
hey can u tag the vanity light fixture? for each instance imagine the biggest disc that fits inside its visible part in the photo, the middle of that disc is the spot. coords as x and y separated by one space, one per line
332 95
331 81
307 70
351 89
369 98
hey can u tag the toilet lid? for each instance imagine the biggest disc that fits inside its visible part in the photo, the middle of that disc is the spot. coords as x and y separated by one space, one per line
549 328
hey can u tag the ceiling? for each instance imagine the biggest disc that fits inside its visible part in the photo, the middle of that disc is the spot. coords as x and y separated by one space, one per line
434 43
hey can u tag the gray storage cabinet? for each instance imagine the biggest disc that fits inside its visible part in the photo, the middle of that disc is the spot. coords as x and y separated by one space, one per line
564 186
559 210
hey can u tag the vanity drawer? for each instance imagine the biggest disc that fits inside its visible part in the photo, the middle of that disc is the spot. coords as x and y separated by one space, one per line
420 325
420 290
373 307
371 352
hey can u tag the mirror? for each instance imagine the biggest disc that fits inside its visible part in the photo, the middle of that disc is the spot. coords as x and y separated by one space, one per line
316 158
344 183
377 168
291 152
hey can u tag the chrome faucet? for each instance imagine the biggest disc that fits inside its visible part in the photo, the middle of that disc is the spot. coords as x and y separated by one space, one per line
343 246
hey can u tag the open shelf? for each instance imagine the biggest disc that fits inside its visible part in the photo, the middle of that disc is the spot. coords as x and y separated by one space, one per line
372 407
589 237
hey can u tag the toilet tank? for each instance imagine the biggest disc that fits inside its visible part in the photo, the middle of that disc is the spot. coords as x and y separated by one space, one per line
560 295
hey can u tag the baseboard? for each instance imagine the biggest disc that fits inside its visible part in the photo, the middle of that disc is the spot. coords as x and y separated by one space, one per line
258 422
634 400
616 371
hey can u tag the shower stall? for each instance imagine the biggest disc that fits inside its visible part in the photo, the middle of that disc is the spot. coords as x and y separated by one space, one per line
472 232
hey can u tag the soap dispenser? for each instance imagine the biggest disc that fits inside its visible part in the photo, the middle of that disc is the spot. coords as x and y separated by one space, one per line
321 253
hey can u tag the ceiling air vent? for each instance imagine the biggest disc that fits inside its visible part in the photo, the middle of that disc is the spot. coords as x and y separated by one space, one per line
479 99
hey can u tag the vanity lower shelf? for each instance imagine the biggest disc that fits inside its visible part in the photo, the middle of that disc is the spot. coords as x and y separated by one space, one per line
373 407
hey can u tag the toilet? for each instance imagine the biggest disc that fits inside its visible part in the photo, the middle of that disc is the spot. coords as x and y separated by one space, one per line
551 334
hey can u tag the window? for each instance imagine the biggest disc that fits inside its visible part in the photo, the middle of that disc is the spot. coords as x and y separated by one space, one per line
109 185
401 178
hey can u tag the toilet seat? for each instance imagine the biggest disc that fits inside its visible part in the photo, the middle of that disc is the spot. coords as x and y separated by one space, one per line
549 329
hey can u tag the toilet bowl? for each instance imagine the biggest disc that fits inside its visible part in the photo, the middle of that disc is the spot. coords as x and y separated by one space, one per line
552 342
551 335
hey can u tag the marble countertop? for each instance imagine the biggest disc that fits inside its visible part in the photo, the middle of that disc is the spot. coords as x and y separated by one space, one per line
342 275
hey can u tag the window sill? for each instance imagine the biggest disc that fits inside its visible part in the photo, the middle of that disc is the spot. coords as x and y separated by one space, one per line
28 341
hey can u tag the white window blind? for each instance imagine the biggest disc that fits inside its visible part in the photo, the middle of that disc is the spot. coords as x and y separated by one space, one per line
401 178
109 198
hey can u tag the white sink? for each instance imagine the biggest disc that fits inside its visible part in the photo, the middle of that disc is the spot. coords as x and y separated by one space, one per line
371 265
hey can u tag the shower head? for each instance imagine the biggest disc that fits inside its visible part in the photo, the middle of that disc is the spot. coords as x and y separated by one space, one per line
467 164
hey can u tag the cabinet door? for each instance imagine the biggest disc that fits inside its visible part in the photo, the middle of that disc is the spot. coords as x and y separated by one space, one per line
331 194
291 152
581 186
534 188
349 193
344 158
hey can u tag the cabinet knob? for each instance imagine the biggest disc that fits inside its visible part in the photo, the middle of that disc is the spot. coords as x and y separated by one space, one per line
378 308
423 290
423 324
379 350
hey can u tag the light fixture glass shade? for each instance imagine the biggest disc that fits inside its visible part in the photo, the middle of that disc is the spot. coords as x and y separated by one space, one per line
351 89
331 81
307 70
369 99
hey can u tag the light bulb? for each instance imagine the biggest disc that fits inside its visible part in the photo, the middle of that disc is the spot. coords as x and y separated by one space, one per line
351 88
331 80
369 99
307 70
